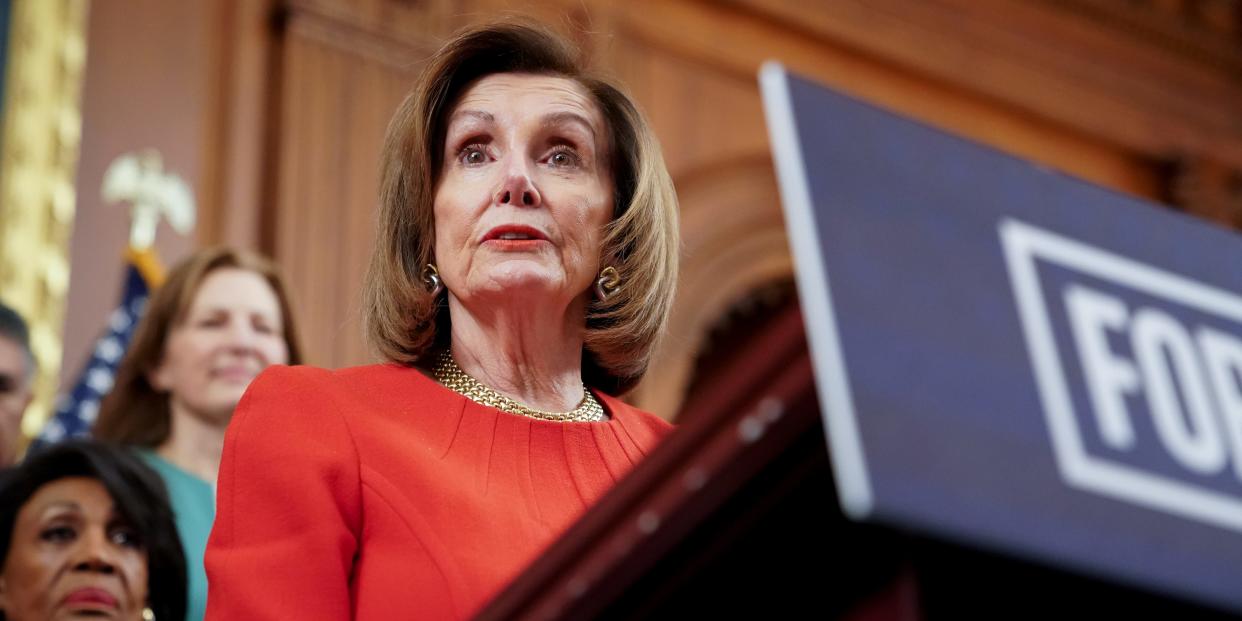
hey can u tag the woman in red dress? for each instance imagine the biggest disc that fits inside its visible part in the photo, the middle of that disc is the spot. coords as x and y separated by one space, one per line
524 268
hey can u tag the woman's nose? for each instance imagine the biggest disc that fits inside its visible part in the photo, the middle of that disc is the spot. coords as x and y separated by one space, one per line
241 335
517 189
95 553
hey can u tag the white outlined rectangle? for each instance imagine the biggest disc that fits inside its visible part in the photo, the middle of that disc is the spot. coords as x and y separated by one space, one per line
1023 244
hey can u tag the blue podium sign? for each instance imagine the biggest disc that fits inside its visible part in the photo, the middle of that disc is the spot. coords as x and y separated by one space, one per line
1012 357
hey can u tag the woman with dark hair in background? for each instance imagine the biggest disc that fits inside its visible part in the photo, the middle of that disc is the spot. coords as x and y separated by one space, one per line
523 271
220 318
86 532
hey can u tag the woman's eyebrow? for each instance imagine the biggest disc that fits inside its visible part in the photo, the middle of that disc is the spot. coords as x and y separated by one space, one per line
474 114
569 118
67 505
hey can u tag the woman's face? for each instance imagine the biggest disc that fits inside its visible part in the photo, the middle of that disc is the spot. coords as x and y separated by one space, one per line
232 330
72 556
525 191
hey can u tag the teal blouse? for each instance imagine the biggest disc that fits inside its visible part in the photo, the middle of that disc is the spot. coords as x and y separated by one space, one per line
194 508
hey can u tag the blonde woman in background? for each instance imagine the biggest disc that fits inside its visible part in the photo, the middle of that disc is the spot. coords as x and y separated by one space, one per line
220 318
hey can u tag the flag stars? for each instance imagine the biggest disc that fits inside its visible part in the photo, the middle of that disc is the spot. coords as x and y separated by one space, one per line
109 350
99 380
78 409
54 431
120 320
89 410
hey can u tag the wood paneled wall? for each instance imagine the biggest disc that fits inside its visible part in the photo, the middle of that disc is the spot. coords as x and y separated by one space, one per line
146 86
1115 91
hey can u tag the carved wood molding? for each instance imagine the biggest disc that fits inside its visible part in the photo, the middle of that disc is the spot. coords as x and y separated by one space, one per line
1207 189
1060 64
1208 31
349 33
734 243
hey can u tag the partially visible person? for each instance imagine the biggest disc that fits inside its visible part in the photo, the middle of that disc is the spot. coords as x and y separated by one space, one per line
86 532
17 371
219 319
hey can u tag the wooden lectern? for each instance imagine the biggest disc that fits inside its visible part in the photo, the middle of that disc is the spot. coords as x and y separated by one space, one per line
735 516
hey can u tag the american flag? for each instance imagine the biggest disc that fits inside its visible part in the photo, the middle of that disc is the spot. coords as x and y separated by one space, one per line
76 409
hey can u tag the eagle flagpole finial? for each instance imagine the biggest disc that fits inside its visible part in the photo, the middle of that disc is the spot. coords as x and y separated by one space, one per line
139 179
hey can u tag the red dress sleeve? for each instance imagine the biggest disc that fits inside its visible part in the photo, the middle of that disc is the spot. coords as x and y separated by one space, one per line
288 508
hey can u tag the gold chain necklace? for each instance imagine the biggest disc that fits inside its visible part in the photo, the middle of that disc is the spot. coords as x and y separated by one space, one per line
452 377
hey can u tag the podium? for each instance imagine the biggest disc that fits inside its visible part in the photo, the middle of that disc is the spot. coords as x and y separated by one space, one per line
735 516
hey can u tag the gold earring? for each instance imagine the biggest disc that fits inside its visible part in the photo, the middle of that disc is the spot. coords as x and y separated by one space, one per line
608 283
148 614
431 278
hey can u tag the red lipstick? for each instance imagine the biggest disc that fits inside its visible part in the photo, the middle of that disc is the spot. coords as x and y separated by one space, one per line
514 237
92 595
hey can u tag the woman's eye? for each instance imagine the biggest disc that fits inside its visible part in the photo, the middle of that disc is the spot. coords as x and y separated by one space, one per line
58 534
563 158
472 155
125 537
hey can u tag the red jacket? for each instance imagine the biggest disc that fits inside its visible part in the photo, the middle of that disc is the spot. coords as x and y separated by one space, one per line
376 493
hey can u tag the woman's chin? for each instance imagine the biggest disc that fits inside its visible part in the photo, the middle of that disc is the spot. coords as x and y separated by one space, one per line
522 281
219 406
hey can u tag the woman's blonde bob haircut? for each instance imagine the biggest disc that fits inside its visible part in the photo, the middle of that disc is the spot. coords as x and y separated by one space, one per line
404 322
135 412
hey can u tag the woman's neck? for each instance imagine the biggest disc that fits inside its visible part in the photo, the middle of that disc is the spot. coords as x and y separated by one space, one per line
194 444
531 355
